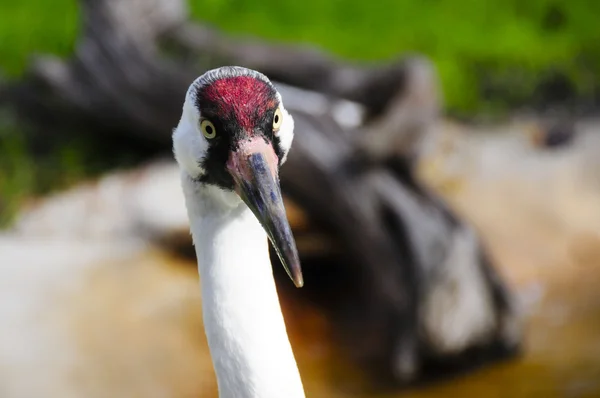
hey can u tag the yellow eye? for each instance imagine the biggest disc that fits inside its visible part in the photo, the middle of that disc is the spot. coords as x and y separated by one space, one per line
208 129
277 119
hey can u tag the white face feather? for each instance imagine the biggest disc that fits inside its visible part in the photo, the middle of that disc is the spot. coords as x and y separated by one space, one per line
286 131
190 146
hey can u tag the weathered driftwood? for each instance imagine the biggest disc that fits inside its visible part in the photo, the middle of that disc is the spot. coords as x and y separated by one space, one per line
414 269
410 285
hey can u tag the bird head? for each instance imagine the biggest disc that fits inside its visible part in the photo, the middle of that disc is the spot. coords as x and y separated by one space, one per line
234 134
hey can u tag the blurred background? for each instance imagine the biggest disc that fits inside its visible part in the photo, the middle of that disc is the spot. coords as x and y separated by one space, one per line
98 284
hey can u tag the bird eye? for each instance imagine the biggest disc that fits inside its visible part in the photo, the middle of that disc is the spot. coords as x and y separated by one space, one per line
208 129
277 119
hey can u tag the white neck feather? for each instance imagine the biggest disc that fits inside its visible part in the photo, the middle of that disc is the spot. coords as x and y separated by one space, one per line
244 326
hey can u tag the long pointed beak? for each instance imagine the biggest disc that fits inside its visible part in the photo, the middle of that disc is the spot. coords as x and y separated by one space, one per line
253 166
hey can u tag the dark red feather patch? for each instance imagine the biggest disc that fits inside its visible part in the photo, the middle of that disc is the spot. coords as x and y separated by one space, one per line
245 97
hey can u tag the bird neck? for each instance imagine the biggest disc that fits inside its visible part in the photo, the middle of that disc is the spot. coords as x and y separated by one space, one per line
244 326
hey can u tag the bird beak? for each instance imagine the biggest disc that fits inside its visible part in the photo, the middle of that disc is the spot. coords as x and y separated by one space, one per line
254 168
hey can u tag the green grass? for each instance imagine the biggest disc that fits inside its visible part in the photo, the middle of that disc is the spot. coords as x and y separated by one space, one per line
35 26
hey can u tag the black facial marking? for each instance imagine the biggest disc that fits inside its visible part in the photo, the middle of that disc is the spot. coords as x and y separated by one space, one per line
278 149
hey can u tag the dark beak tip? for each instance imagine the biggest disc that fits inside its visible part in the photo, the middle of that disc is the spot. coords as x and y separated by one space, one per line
259 189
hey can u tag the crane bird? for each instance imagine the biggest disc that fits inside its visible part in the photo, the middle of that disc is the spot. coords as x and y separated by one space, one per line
232 137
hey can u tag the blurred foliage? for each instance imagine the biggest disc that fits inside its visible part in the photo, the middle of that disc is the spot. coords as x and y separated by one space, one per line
32 166
26 172
487 52
16 169
35 26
